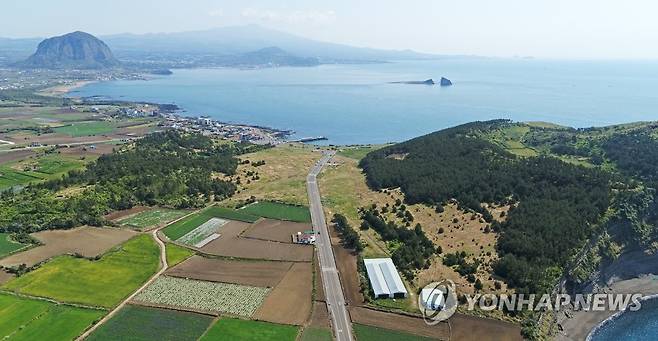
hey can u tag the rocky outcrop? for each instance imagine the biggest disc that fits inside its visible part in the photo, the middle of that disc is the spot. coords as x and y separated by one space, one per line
77 50
445 82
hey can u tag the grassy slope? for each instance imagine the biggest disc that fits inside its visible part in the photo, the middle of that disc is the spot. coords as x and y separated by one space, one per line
142 323
282 177
234 329
279 211
183 226
28 319
7 246
99 283
177 254
368 333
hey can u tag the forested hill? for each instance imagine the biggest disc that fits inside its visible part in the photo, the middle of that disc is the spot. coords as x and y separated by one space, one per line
168 169
557 203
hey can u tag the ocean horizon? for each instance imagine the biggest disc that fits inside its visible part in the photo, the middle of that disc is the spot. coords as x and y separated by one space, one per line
359 104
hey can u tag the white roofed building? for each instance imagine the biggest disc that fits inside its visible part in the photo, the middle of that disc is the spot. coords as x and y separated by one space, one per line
384 278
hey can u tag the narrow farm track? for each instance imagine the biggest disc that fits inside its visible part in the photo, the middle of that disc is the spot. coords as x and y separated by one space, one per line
163 262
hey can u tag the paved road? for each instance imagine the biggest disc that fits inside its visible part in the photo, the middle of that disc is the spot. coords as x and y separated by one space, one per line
163 263
340 319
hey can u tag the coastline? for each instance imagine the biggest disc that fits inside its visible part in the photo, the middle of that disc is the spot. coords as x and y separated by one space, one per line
632 273
64 89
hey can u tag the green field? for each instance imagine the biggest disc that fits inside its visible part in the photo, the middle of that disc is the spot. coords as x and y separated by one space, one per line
177 254
368 333
183 226
142 323
358 152
43 168
86 129
273 210
153 217
101 283
316 334
7 246
27 319
234 329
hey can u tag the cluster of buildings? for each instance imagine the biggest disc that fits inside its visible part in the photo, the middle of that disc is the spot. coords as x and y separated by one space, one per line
235 132
306 237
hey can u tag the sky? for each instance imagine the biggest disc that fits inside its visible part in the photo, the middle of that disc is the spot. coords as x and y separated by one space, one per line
564 29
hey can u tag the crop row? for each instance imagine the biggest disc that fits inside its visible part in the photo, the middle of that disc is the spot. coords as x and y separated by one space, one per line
214 297
202 232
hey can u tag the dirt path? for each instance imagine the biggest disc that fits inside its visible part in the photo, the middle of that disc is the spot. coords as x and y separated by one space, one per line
163 268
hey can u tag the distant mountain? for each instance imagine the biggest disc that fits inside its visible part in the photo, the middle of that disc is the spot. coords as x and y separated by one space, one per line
236 40
77 50
273 56
214 47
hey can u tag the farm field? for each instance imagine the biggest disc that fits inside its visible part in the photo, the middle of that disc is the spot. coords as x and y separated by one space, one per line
358 152
103 283
87 241
176 254
291 301
273 210
86 128
275 230
27 319
316 334
200 235
38 169
252 273
184 226
8 246
367 333
400 323
230 244
244 330
203 296
153 217
147 324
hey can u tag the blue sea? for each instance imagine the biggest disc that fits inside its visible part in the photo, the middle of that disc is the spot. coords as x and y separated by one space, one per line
357 104
641 325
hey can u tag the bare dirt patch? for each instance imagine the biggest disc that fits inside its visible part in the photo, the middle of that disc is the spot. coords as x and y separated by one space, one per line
87 241
404 323
349 277
472 328
230 244
15 155
253 273
5 277
320 315
290 302
117 215
275 230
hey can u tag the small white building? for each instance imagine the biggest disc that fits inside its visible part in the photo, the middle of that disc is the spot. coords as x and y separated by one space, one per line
384 278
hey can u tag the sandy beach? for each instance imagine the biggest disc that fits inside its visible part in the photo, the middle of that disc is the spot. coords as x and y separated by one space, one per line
63 89
634 272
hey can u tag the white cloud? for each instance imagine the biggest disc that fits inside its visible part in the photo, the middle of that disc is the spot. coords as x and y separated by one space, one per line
321 17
